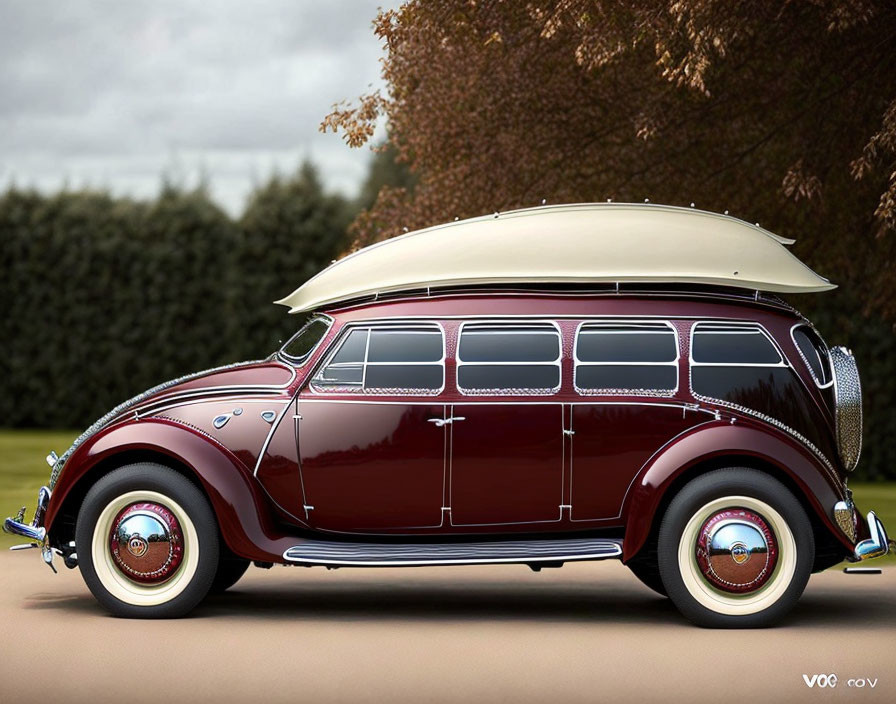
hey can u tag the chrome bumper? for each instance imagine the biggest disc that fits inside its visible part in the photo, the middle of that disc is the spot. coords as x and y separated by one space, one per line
35 530
878 544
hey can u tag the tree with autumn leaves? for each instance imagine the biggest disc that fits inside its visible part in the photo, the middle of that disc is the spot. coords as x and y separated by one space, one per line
782 113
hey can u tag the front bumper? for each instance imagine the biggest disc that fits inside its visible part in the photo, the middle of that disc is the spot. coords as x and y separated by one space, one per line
877 544
35 530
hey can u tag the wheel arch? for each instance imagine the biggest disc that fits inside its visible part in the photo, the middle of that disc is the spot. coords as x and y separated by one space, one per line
244 514
726 446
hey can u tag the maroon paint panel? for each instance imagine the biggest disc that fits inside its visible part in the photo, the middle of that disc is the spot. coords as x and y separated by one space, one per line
506 463
611 443
372 466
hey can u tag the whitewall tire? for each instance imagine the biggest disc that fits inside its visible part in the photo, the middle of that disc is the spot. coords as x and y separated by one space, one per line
147 542
735 549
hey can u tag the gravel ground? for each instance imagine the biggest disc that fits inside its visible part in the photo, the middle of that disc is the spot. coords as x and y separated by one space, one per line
586 633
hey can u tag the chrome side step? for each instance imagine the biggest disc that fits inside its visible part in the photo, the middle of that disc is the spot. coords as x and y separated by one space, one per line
324 552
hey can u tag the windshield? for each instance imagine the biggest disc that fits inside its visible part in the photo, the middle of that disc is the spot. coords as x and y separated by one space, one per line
303 343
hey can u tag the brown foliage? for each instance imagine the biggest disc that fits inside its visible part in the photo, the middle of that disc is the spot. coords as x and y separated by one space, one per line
781 112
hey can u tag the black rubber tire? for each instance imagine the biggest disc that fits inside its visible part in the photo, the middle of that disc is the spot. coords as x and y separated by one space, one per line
647 571
146 476
230 570
734 481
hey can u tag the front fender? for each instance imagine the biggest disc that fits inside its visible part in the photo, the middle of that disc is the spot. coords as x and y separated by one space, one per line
243 511
711 441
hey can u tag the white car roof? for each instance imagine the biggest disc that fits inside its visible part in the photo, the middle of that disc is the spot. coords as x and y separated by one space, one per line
579 243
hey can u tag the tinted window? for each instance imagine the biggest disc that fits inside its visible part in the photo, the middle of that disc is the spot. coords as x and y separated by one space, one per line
721 344
352 349
621 357
303 343
814 353
617 377
521 377
495 344
626 343
509 358
386 360
404 346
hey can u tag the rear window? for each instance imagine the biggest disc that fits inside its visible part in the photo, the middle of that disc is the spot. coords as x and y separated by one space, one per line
814 354
512 359
620 358
386 360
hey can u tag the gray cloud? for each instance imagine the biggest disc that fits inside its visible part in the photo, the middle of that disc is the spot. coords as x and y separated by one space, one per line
112 94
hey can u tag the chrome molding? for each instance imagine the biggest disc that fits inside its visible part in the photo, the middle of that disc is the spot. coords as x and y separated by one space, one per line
319 552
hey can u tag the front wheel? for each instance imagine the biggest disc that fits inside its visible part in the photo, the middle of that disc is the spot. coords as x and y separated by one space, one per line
147 542
735 549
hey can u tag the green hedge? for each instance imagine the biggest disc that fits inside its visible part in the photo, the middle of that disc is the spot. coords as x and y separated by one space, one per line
104 297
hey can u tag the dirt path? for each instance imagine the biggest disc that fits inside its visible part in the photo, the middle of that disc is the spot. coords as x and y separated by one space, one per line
585 633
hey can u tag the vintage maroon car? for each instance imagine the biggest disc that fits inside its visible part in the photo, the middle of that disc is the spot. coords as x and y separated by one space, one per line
536 387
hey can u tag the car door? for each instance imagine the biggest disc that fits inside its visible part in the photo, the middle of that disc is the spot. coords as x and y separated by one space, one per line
626 375
372 437
507 434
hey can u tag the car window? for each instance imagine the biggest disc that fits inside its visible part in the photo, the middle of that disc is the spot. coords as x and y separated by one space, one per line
730 360
714 343
511 359
620 358
304 342
386 360
814 354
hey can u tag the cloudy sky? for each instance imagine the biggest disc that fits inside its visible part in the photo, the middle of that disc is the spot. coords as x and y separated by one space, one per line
113 94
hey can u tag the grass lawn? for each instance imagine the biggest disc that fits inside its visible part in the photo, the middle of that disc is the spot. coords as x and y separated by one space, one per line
23 471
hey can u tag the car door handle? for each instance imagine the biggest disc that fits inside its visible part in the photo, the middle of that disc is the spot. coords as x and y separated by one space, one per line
445 421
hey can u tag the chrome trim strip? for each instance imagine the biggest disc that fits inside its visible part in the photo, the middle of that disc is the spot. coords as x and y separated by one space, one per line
421 563
267 440
156 410
416 554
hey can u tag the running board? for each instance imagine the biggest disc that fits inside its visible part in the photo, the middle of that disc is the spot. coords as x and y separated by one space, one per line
323 552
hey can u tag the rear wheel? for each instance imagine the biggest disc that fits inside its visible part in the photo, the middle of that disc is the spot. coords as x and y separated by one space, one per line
735 549
147 542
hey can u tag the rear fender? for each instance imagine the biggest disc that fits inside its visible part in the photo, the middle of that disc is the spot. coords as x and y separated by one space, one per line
707 445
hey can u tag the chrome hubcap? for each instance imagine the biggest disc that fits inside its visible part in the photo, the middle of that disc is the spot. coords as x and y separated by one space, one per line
146 543
736 551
